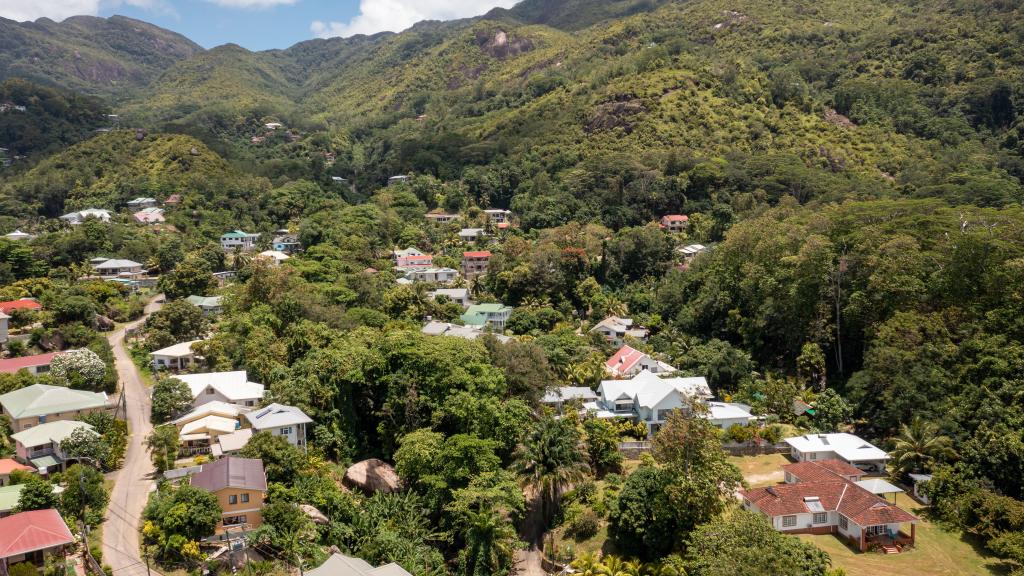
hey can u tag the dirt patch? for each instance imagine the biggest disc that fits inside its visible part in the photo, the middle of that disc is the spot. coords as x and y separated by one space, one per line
616 113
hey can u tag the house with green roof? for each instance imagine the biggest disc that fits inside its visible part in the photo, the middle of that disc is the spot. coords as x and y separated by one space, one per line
40 403
238 240
40 445
210 305
490 315
10 495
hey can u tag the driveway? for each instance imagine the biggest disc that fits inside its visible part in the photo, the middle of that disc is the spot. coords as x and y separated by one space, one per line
132 483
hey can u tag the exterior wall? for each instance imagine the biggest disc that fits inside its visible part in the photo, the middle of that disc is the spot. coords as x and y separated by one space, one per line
252 510
209 395
172 362
3 330
296 434
497 321
26 423
726 423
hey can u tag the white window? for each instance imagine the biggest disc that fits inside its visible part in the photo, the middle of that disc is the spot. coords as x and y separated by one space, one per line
233 499
286 431
843 522
820 517
245 498
788 521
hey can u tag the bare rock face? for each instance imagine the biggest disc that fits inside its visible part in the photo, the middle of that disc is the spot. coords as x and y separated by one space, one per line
194 151
616 113
104 324
140 134
501 45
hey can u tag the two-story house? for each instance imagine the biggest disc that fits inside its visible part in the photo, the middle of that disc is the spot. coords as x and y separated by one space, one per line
287 243
117 268
175 357
648 398
616 329
41 445
629 361
238 240
210 305
240 485
230 387
203 427
41 403
441 217
491 315
288 422
674 222
430 274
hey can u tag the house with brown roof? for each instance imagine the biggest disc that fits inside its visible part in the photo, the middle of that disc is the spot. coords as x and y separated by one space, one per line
822 497
674 222
240 485
474 263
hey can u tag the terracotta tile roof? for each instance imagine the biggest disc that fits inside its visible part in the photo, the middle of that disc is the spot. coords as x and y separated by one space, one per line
676 218
821 470
23 304
480 254
30 531
624 359
8 465
852 501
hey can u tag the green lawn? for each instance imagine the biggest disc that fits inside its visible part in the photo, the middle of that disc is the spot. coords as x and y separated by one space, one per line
938 553
763 470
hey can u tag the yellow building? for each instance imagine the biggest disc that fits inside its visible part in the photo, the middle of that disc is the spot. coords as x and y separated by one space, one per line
240 485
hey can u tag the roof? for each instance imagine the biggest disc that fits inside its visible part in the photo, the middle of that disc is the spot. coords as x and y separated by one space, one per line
846 446
675 217
819 470
477 254
920 477
117 263
728 411
564 393
43 399
205 301
471 231
341 565
277 415
649 389
453 293
878 486
23 304
214 408
436 328
30 531
231 472
11 495
231 385
235 441
8 465
614 323
211 423
55 432
179 349
275 254
693 249
627 358
407 252
847 498
237 234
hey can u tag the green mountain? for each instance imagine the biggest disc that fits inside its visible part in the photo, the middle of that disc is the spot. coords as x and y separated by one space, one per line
38 119
108 57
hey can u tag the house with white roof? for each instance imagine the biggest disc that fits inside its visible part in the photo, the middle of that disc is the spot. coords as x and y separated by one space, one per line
18 235
471 234
441 217
117 268
649 398
727 414
458 295
558 397
288 422
838 446
41 403
628 361
40 445
275 257
74 218
142 202
230 387
431 274
176 357
616 329
210 305
202 427
436 328
341 565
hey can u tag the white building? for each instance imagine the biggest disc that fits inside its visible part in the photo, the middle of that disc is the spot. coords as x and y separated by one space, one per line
471 234
18 235
628 361
841 446
230 387
80 216
435 275
140 203
281 420
458 295
237 239
649 399
275 257
117 268
727 414
176 357
616 329
497 216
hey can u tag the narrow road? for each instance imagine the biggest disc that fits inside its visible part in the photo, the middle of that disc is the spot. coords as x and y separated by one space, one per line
133 481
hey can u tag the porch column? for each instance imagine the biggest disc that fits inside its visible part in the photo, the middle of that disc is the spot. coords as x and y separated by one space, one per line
913 533
863 542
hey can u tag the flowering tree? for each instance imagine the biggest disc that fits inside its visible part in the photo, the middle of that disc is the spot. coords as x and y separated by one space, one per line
81 369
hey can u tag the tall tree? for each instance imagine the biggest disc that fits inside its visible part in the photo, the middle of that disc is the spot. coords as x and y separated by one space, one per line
920 446
550 459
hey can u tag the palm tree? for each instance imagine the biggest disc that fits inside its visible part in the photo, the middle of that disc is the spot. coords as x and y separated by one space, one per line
615 566
550 459
920 446
491 543
587 564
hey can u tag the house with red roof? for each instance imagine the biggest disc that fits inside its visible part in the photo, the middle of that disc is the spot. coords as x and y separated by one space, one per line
36 364
674 222
821 497
23 304
32 537
474 263
628 362
8 465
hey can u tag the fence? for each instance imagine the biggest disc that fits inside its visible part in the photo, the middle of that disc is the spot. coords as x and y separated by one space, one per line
755 449
633 450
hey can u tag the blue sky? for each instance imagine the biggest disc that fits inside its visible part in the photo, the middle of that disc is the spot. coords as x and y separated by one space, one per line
259 24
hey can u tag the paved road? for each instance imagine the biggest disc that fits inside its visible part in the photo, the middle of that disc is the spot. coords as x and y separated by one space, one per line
132 483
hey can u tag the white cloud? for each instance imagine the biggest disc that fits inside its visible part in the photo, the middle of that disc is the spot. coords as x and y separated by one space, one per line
397 15
22 10
251 3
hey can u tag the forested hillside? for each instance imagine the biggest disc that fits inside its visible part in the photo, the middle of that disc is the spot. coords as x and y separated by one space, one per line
851 260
